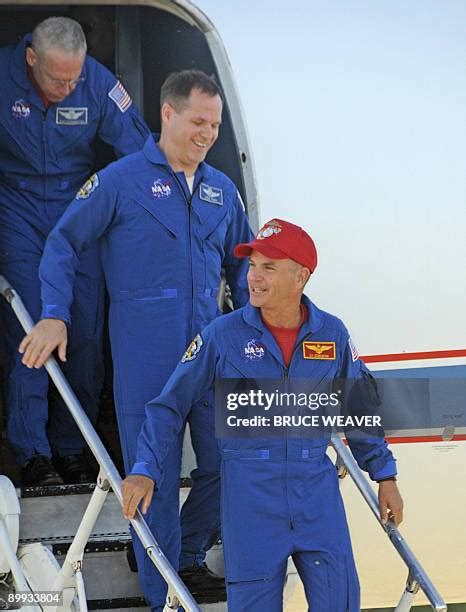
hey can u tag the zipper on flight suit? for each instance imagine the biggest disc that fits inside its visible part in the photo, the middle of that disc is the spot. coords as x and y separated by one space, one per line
44 152
189 204
285 378
286 371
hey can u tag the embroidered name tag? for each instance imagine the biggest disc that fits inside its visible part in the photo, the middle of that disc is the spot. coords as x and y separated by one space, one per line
71 116
213 195
319 350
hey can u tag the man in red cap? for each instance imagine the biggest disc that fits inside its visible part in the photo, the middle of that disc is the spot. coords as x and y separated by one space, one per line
280 493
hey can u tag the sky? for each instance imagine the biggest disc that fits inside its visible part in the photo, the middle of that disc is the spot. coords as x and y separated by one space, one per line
356 114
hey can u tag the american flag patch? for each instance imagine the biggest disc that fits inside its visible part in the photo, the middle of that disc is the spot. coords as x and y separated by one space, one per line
121 97
353 349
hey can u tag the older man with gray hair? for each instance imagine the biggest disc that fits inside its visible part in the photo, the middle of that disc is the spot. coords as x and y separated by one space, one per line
56 102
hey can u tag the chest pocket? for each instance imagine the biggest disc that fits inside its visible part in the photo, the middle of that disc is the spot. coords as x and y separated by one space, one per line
20 135
72 129
234 370
213 221
252 369
318 369
166 217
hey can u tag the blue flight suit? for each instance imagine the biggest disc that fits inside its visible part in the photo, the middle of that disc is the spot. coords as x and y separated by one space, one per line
280 495
45 156
162 252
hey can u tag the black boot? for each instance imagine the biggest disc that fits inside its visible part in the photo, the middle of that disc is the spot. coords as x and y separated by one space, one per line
199 578
39 471
74 469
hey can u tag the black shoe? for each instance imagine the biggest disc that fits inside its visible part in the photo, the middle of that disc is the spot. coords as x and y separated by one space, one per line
74 469
39 471
199 578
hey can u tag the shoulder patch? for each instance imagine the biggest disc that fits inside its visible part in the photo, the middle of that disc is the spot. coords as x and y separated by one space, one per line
353 349
193 349
89 186
120 96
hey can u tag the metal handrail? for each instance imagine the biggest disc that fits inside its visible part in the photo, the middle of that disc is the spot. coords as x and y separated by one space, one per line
151 546
417 577
15 567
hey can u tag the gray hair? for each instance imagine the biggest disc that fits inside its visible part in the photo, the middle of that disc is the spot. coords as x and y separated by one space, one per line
59 33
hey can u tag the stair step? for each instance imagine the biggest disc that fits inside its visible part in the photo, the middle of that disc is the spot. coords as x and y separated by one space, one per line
138 604
72 489
130 605
55 490
108 578
56 519
124 603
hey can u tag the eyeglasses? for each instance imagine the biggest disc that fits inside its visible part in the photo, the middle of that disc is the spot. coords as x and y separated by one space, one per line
72 83
62 83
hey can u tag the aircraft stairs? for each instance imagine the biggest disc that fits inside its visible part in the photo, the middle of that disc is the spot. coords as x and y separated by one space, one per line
49 519
87 520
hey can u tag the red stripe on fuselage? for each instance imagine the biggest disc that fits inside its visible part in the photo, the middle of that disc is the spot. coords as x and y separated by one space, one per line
417 439
414 356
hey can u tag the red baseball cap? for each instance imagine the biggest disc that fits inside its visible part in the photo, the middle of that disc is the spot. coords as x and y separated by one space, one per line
279 239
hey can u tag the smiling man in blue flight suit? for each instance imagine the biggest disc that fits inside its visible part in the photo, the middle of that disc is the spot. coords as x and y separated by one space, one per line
56 101
167 224
280 495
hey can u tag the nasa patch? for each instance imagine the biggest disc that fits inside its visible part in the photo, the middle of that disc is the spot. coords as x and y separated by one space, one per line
161 188
71 115
20 109
193 349
89 186
213 195
253 350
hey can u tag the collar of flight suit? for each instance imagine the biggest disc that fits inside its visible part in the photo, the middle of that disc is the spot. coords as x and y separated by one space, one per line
155 155
314 322
18 68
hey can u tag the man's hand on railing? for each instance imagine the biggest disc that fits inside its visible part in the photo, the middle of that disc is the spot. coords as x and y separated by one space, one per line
42 340
134 489
390 502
